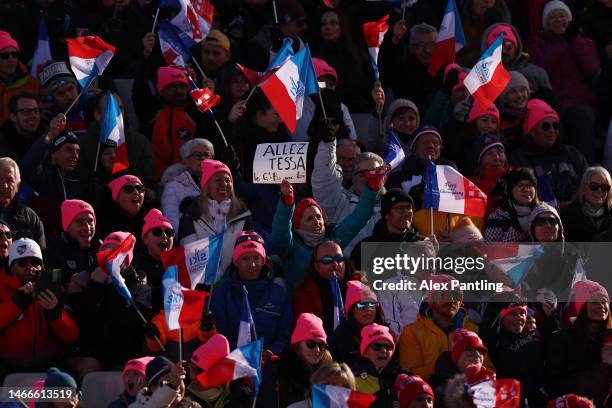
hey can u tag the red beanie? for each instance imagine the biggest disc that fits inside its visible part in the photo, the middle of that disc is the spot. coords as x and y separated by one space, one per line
71 208
115 239
373 332
154 218
249 246
301 207
308 327
479 111
511 308
508 34
322 68
137 365
537 111
462 339
408 387
358 292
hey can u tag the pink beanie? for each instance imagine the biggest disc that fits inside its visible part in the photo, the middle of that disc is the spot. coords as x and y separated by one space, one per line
308 327
138 365
479 111
210 352
373 332
358 292
115 239
212 167
462 339
249 246
117 184
7 41
170 75
538 110
301 207
508 34
154 218
585 290
71 208
323 68
440 279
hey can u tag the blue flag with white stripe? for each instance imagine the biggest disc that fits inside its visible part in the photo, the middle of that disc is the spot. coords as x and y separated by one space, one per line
247 324
395 152
215 245
338 302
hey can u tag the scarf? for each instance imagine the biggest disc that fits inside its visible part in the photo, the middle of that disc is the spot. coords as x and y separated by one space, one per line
311 239
590 211
523 216
218 213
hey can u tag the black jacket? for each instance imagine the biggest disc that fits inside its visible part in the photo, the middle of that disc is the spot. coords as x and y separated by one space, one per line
14 145
385 396
293 377
64 253
154 270
345 341
25 223
579 227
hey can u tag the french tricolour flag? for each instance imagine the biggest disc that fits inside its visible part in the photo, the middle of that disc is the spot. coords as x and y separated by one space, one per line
193 21
513 259
449 191
395 152
287 88
284 53
89 57
43 51
338 302
243 362
183 307
172 47
247 324
374 32
331 396
113 132
488 78
111 260
450 39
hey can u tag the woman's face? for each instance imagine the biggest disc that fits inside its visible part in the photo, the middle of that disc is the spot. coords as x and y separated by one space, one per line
134 382
130 198
220 187
546 227
516 99
239 87
6 239
546 133
330 26
158 240
406 122
194 160
364 313
524 193
486 124
596 191
249 266
598 311
107 159
470 356
515 321
494 158
329 252
312 221
311 351
428 145
380 353
558 21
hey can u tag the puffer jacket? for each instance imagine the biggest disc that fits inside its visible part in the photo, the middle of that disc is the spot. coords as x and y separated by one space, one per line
172 127
269 302
179 188
24 222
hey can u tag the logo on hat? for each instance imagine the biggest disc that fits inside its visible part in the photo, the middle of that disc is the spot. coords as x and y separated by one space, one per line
182 133
21 249
376 333
249 246
317 334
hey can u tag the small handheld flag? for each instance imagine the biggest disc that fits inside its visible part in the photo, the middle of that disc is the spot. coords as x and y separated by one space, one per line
111 261
395 152
172 47
112 132
242 362
450 39
193 21
246 321
331 396
205 99
43 51
89 56
374 32
183 307
488 77
338 302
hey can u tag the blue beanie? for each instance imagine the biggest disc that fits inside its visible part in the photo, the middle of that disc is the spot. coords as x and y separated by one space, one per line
57 378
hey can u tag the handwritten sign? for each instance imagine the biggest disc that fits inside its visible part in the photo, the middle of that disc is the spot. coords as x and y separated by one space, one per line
274 162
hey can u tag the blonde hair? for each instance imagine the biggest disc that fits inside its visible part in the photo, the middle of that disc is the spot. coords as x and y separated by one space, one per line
334 373
586 179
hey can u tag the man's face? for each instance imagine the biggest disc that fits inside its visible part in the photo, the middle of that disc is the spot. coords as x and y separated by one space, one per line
66 157
9 60
26 269
214 57
64 96
399 217
175 94
421 46
26 117
82 229
8 185
345 156
508 52
360 172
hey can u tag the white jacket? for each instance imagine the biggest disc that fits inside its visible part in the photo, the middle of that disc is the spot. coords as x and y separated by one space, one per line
161 398
175 192
399 306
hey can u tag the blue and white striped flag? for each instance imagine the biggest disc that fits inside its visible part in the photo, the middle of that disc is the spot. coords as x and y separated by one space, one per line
338 302
247 324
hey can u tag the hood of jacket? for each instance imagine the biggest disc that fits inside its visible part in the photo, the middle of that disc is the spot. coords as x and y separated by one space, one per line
520 58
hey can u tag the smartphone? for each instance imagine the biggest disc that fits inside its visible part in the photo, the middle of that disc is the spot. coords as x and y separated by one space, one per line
49 279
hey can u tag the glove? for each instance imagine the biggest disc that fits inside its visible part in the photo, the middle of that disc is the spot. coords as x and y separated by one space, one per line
451 79
151 331
21 299
208 322
375 176
289 199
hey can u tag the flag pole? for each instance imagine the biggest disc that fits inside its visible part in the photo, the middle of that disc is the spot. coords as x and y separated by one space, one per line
431 216
75 101
219 129
195 62
180 344
403 9
209 298
155 20
250 94
322 105
97 155
145 322
275 13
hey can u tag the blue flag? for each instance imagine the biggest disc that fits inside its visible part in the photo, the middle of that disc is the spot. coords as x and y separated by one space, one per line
247 324
395 152
338 302
211 272
172 47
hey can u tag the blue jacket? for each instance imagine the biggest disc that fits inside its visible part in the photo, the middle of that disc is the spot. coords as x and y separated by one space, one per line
270 306
296 255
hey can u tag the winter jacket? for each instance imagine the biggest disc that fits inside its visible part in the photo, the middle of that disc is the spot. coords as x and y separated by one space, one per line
344 342
123 401
503 226
171 128
153 269
296 254
179 188
239 393
422 342
381 385
193 227
571 67
31 336
596 384
139 154
22 82
15 145
64 253
293 377
269 302
579 227
160 398
24 222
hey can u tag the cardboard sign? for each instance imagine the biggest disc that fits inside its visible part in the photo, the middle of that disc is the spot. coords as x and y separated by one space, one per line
274 162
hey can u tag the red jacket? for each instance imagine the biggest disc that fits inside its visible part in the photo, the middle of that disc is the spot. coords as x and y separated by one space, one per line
307 299
27 337
171 128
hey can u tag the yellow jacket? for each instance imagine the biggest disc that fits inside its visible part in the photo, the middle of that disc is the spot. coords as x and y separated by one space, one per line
422 342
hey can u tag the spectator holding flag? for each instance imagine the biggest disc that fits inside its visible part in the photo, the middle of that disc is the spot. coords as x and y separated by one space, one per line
403 119
491 165
165 386
336 374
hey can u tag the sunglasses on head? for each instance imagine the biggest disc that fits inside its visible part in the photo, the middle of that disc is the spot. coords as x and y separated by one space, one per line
6 55
366 305
379 347
22 263
546 126
6 234
131 188
250 237
546 220
596 186
326 260
311 344
158 231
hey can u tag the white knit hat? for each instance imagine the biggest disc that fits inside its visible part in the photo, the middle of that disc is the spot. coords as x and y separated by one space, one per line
24 248
551 6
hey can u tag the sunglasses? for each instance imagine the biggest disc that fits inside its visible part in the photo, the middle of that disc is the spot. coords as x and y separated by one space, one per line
158 231
596 186
22 263
245 238
6 234
547 125
311 344
326 260
546 220
366 305
6 55
379 347
200 155
131 188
